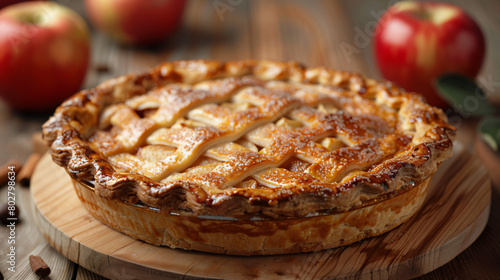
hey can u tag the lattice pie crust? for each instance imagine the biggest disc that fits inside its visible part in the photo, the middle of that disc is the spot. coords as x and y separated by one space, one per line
249 157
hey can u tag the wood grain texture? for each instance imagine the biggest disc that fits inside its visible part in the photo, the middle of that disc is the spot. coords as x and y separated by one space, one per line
310 32
452 217
28 241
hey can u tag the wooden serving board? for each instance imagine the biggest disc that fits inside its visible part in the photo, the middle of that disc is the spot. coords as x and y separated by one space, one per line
453 216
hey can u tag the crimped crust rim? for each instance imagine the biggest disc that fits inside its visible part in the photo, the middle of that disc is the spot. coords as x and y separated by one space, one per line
67 129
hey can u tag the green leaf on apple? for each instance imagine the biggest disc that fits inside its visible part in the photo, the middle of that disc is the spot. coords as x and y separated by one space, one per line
464 94
489 129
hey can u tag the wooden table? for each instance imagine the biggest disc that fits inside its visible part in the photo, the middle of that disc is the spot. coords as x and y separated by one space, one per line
312 32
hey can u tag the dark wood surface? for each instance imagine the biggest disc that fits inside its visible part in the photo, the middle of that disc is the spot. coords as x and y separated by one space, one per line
311 32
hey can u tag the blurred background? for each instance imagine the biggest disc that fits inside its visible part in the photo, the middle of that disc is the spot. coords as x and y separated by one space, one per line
336 34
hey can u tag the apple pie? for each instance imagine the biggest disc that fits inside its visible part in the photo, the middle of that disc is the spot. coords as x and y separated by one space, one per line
249 157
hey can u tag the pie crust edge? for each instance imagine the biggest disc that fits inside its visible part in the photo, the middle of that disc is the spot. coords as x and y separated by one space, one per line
258 237
66 130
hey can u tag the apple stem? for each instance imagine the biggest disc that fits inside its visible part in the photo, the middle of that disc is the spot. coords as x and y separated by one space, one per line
422 14
31 19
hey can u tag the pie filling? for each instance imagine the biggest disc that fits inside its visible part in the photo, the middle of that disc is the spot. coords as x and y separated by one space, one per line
248 138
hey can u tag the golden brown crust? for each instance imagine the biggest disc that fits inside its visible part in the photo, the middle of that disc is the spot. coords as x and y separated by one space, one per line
254 237
388 138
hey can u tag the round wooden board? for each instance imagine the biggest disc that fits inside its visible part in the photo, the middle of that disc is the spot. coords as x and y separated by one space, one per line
453 216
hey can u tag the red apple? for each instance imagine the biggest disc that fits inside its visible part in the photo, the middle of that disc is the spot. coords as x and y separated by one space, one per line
416 42
136 22
44 55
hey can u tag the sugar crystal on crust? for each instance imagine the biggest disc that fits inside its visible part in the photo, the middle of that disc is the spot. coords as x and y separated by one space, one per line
260 133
